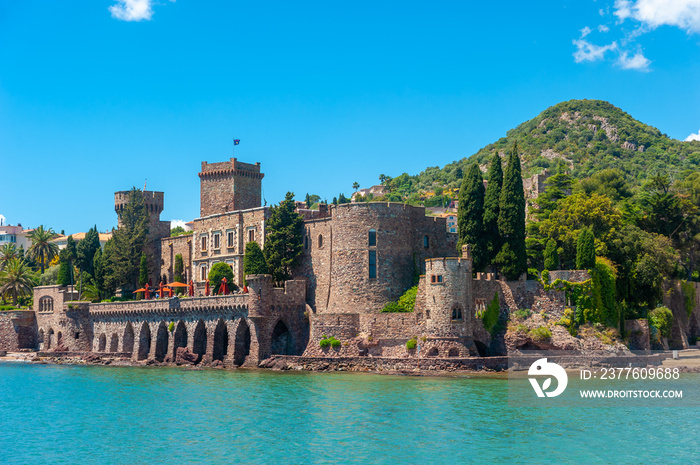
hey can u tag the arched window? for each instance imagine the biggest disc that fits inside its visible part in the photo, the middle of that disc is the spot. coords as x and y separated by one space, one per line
426 241
320 241
456 313
46 304
372 239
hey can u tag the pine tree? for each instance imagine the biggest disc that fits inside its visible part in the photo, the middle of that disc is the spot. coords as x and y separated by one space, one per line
492 200
283 242
551 256
86 250
307 201
470 216
143 270
585 250
98 269
254 260
512 259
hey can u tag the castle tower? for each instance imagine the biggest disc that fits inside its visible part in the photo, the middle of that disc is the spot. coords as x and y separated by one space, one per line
229 186
157 229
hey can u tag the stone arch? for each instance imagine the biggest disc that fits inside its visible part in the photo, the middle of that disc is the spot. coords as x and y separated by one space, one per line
220 341
49 338
46 304
453 352
281 340
114 343
128 339
102 343
242 343
144 341
161 342
180 337
199 342
434 352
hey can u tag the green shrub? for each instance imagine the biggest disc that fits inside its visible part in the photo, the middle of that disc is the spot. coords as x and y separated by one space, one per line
522 313
171 326
541 334
489 316
411 343
662 319
405 304
329 341
335 343
688 291
218 272
4 308
324 343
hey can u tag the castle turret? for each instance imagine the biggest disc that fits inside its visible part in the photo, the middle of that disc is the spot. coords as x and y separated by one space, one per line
229 186
260 293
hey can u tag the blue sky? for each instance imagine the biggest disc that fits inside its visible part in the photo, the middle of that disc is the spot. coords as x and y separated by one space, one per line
98 95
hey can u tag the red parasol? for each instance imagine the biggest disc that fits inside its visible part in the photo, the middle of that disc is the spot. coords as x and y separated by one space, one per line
245 289
191 288
206 288
170 291
223 288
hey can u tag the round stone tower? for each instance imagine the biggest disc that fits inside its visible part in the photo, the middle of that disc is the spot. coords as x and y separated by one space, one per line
260 294
154 201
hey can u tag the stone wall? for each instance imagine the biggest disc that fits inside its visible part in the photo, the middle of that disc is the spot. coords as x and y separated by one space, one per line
316 261
172 246
638 334
573 276
684 325
17 330
229 186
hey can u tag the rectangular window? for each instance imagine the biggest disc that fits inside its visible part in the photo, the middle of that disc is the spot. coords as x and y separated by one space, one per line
372 238
251 235
204 273
230 239
204 243
372 264
439 278
217 240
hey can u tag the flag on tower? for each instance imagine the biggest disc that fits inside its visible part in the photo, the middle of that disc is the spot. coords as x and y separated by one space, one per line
236 141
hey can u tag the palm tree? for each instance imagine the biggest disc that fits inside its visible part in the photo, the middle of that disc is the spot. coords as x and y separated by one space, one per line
355 185
16 279
7 253
42 249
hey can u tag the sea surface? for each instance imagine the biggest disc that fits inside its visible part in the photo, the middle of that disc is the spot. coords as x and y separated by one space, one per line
114 415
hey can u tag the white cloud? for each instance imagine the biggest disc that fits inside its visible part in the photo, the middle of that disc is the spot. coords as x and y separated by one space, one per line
3 220
585 31
603 28
687 139
132 10
684 14
176 223
586 51
637 61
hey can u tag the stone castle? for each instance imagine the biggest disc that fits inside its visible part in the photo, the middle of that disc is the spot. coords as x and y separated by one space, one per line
356 258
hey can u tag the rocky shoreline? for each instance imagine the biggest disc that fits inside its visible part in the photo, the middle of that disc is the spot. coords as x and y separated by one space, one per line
688 362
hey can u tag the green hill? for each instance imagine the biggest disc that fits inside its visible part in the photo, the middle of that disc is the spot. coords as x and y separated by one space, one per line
588 135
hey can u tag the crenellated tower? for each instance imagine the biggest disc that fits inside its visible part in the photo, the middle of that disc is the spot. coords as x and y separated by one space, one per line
229 186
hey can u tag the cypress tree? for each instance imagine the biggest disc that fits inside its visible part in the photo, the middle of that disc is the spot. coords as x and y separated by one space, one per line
254 260
63 278
551 256
143 270
585 250
98 268
470 216
512 259
283 242
492 200
178 268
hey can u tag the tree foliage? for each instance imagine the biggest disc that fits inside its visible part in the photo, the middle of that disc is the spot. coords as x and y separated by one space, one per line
551 256
16 280
512 258
585 250
492 199
178 268
218 272
283 241
254 260
42 250
471 216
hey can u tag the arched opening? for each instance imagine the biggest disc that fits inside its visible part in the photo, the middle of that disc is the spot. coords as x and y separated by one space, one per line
457 312
46 304
481 348
144 341
114 343
128 342
426 241
102 344
199 344
41 339
179 338
434 352
220 341
320 241
50 339
161 342
453 352
281 343
242 347
372 239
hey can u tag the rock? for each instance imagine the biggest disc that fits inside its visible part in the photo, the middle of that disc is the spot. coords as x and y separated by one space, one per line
217 364
3 353
185 357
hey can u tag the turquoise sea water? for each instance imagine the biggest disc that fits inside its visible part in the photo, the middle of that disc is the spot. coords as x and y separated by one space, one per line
105 415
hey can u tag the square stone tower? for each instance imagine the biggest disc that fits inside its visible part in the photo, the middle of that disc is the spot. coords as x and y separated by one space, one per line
229 186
